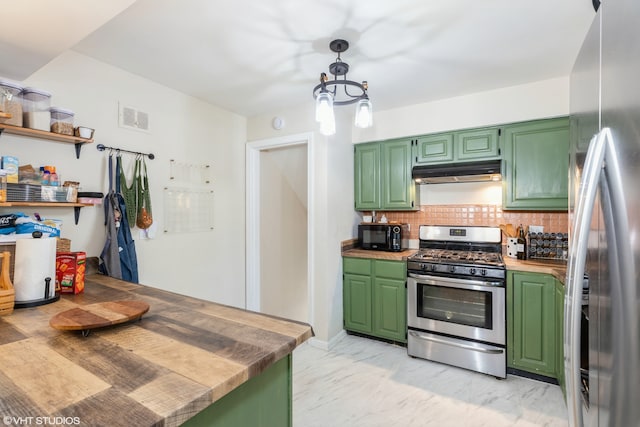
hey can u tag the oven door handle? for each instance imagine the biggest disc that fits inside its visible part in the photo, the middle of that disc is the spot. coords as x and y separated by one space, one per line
433 280
455 344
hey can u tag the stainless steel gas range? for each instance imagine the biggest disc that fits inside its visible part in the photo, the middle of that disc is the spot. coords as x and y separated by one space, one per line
456 298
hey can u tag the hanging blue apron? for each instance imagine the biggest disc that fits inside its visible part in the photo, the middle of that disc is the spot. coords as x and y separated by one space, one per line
118 256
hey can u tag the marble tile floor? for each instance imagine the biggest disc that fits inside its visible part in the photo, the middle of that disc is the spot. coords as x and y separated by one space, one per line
367 383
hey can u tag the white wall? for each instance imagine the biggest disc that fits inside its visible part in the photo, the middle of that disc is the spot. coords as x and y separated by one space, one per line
208 265
335 219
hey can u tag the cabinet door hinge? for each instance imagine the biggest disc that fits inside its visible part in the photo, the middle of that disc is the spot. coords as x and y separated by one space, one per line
405 284
499 131
412 203
499 151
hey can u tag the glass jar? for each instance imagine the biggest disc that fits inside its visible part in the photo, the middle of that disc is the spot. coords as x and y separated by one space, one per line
36 109
61 120
11 102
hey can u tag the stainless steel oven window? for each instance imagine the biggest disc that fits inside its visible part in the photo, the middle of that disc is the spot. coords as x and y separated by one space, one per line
496 334
454 305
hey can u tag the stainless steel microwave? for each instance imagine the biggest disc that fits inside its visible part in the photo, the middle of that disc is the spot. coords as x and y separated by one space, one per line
381 237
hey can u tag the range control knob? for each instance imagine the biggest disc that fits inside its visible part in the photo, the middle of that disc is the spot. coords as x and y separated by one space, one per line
432 267
472 271
452 269
483 272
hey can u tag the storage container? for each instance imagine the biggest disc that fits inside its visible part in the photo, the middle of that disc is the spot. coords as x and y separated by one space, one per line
11 102
36 105
61 120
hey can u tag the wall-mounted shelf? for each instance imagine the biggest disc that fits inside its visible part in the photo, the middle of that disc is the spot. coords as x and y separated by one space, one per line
51 136
76 206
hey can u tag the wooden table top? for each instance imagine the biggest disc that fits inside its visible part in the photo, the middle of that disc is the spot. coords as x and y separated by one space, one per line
183 355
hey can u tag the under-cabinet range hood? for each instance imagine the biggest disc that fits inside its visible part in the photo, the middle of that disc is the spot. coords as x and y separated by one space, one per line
457 172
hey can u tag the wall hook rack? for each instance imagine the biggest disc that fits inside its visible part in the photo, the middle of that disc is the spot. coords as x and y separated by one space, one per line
102 147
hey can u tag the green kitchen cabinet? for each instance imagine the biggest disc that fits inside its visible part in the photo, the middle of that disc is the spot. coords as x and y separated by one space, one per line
390 300
357 294
532 342
477 144
375 297
383 176
436 148
458 146
263 401
536 165
560 335
367 176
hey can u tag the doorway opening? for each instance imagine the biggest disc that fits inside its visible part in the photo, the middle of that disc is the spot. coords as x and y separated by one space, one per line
279 233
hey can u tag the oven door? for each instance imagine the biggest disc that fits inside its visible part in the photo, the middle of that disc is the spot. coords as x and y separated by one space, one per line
472 309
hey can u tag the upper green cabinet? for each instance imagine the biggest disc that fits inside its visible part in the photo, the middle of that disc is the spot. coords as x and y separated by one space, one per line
367 176
477 144
459 146
383 176
536 165
437 148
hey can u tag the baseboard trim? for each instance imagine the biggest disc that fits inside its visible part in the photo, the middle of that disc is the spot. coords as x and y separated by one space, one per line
327 345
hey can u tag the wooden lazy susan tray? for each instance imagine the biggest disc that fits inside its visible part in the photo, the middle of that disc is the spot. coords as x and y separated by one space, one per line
98 315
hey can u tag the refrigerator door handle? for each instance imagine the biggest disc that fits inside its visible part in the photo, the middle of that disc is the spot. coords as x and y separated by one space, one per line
622 277
575 272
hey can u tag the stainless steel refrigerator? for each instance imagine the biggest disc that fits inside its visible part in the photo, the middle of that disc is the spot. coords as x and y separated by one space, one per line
605 216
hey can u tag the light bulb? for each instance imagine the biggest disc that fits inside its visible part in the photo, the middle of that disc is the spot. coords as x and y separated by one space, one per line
364 113
328 125
324 106
324 113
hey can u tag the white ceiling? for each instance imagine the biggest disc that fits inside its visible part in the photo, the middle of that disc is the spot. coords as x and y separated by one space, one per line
258 56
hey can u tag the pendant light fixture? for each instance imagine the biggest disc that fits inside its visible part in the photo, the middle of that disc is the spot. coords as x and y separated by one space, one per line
336 92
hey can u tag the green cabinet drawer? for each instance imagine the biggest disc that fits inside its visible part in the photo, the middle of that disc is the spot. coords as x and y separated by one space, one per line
391 269
357 266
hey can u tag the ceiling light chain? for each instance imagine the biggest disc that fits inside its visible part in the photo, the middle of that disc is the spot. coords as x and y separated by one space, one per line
326 98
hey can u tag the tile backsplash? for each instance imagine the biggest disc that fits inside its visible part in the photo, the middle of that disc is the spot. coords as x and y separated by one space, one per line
476 214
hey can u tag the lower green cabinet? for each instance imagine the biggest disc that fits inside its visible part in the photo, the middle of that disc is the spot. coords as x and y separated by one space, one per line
560 335
263 401
375 297
533 344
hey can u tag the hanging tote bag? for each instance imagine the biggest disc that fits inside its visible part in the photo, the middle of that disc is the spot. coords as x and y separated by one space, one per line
144 216
130 192
126 244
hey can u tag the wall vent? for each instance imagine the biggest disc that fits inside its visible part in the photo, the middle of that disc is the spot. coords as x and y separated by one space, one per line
132 118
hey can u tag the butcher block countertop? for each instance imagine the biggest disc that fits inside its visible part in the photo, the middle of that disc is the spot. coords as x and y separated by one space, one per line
349 249
556 269
183 355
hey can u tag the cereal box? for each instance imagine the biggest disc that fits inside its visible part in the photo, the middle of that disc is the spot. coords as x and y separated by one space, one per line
10 164
70 268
